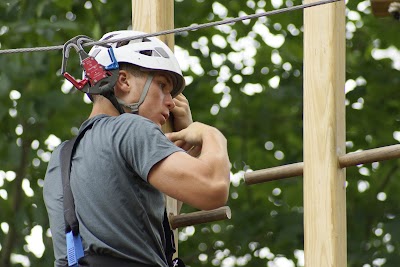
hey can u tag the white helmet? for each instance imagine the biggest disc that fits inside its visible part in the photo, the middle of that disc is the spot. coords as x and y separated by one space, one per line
149 53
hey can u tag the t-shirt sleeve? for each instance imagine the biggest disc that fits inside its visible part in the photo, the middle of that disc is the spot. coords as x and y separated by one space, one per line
143 144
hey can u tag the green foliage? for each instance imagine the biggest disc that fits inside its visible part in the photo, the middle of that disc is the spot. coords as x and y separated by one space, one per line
250 88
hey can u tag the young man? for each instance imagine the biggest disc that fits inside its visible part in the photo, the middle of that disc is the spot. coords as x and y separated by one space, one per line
124 164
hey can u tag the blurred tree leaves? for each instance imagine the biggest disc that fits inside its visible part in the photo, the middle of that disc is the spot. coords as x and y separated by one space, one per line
250 88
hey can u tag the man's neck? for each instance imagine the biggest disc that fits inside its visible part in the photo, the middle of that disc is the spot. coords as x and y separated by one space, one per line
103 106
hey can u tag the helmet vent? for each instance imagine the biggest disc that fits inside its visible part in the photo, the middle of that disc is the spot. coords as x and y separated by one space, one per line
105 38
122 43
146 52
108 37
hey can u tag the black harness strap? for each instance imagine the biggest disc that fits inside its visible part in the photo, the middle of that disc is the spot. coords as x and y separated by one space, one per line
169 240
71 222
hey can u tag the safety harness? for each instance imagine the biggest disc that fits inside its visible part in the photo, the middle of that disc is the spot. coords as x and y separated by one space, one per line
73 239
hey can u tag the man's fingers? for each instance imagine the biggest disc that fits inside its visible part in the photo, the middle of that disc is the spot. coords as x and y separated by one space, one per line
181 97
173 136
180 143
181 101
186 147
195 151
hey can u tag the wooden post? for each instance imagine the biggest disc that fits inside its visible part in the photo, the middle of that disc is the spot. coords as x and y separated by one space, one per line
324 136
153 16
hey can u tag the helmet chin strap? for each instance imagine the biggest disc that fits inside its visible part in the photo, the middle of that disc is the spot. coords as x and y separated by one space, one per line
135 106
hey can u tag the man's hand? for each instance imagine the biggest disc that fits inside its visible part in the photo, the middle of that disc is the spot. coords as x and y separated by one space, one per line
181 113
191 138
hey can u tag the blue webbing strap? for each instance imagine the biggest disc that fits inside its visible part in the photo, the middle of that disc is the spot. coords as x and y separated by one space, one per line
74 249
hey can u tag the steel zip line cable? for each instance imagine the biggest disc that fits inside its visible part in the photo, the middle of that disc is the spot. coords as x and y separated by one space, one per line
178 30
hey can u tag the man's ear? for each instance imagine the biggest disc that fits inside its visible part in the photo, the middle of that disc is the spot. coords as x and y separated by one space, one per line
123 81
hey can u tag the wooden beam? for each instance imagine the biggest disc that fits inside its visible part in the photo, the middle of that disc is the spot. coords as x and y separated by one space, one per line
274 173
199 217
348 160
153 16
369 156
324 136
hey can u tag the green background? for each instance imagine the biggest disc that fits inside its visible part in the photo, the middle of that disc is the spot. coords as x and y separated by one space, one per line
245 79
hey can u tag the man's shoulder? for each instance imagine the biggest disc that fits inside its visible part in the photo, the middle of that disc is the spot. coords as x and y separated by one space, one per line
115 121
133 118
133 121
128 126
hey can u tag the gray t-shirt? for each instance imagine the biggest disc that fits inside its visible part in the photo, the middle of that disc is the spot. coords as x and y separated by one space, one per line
119 212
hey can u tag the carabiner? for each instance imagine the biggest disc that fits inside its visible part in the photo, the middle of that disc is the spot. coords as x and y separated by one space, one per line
98 79
67 46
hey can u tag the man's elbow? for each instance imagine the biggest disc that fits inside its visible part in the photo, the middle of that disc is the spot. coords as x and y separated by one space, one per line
218 196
